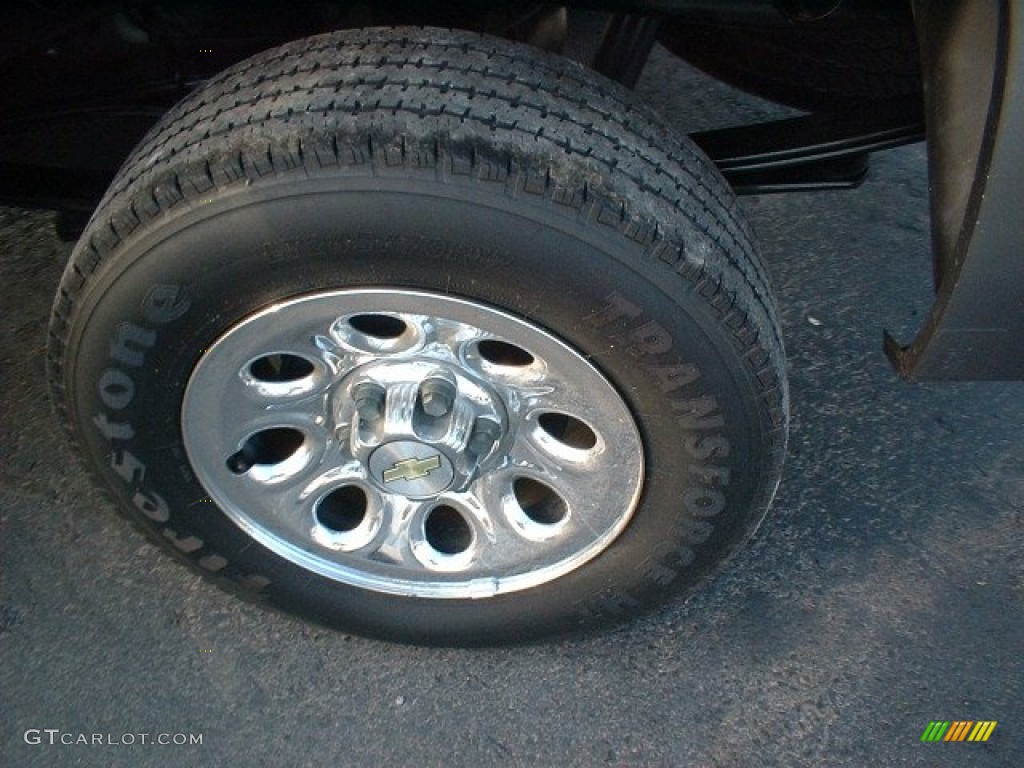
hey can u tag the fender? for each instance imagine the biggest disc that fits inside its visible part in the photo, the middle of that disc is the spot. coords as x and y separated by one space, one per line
973 54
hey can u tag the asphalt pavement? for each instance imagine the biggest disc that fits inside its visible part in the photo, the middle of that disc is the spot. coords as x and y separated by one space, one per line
885 589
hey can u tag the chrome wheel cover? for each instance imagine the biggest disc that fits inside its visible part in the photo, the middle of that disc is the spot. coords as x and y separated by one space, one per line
412 443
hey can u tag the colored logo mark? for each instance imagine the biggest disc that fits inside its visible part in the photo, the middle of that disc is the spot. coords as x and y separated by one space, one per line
412 469
959 730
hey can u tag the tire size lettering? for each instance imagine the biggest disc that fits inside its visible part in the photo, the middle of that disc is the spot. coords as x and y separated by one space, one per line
702 448
186 544
672 377
648 341
153 506
116 390
703 502
163 304
129 345
113 430
128 468
698 413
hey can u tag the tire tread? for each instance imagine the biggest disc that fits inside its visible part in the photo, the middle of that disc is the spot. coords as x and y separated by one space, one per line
270 115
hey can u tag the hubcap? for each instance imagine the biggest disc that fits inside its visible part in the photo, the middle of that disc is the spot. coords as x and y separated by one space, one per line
412 443
411 469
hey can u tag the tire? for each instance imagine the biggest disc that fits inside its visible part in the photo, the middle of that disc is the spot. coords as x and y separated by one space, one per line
426 336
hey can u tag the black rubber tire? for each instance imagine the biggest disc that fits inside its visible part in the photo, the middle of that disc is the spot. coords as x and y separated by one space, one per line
446 161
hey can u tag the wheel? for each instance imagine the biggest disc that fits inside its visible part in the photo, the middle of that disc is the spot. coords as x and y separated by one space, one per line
427 336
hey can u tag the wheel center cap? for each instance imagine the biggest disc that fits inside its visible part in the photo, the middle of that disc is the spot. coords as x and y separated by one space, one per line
411 468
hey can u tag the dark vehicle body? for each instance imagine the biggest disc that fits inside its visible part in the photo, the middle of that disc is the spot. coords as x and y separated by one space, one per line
417 322
84 82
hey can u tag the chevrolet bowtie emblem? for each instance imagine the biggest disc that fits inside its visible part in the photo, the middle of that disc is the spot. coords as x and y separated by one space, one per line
412 469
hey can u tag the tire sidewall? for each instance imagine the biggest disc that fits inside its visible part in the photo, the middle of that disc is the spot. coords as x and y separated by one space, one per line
182 280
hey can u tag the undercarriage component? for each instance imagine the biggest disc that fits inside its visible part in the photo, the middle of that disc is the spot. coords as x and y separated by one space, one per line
819 151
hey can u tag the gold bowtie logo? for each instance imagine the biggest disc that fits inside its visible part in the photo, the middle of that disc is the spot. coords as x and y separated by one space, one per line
412 469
